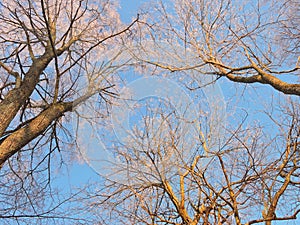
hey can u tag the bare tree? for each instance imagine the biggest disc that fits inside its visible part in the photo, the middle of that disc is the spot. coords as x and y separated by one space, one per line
172 177
56 54
245 42
49 50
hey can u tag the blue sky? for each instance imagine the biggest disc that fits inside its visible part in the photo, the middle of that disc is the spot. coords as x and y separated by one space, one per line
128 11
129 8
82 173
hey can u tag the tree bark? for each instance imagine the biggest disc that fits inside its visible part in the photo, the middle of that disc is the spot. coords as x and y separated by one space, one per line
18 139
13 101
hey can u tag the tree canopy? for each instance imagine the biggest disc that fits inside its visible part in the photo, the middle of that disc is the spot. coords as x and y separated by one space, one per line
212 89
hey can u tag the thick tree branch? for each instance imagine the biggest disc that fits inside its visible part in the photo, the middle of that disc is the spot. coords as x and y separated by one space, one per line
13 101
261 77
14 142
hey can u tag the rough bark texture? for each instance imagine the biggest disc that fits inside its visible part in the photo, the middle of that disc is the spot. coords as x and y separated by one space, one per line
14 142
13 101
